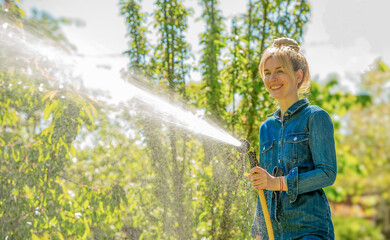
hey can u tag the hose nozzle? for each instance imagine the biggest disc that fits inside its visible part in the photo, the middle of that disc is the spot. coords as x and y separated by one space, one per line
244 147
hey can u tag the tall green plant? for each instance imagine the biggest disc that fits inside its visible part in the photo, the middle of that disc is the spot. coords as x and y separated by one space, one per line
213 41
168 70
139 47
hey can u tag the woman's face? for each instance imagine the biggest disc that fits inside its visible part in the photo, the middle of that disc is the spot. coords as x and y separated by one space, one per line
278 82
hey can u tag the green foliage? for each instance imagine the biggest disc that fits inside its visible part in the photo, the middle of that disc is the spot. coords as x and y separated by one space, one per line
40 120
37 135
213 42
356 229
75 168
135 20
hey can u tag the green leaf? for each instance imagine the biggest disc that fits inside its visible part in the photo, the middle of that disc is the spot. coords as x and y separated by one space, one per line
87 230
34 237
72 150
50 95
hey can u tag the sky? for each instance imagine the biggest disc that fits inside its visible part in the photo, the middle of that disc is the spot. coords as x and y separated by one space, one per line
343 37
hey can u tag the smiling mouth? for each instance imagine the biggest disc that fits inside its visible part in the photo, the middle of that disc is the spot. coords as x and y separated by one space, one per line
276 87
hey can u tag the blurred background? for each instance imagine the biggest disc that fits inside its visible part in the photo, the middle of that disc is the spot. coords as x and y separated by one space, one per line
89 150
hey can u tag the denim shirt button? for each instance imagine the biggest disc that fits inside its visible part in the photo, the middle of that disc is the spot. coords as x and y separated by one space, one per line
263 148
295 138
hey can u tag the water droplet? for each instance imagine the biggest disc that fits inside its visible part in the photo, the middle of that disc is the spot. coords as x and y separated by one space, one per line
71 193
29 71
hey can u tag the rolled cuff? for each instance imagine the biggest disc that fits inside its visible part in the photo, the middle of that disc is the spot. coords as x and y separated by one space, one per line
292 184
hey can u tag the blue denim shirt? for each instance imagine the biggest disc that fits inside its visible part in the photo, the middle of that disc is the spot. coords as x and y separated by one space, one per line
301 148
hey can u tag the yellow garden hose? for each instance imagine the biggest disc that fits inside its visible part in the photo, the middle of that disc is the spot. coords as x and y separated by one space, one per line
267 218
245 148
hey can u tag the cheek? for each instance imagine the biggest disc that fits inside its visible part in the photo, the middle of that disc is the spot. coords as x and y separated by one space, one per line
266 83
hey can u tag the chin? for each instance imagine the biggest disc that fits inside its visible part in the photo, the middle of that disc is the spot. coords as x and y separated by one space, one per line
276 96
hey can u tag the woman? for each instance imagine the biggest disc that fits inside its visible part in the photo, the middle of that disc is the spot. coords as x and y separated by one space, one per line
297 152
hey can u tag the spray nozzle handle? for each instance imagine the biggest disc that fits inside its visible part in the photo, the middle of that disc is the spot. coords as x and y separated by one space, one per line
253 159
244 147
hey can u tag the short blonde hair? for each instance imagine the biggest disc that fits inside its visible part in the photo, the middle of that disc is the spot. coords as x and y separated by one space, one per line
289 55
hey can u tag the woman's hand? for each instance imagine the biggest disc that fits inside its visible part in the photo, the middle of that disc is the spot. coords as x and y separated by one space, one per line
261 179
258 237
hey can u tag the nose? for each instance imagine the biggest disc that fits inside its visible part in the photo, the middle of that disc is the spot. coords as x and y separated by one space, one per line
273 76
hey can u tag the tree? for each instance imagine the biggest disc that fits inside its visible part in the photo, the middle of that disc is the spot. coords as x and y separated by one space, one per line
368 141
41 118
136 20
169 72
213 41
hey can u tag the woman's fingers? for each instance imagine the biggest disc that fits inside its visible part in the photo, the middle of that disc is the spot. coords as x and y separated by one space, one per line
259 180
259 186
258 177
255 170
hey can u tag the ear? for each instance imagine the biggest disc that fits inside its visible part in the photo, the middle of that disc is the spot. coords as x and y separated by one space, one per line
299 76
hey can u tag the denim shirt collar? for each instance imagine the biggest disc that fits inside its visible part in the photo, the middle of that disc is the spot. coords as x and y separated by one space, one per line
292 109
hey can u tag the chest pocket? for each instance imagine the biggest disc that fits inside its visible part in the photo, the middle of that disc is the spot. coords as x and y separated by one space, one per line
267 151
296 147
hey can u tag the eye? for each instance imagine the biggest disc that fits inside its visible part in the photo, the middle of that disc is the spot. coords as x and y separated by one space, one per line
280 71
267 73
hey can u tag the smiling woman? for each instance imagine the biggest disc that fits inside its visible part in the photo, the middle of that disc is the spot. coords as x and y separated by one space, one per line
285 70
297 155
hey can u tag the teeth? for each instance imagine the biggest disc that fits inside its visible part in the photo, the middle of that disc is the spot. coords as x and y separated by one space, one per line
276 87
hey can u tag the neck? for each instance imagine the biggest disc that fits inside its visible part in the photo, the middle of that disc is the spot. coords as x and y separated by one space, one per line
286 103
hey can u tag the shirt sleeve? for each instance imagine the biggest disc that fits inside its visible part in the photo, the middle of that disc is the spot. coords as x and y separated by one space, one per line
322 147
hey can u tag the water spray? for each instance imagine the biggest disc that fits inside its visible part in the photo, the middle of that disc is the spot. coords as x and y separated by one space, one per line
245 147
